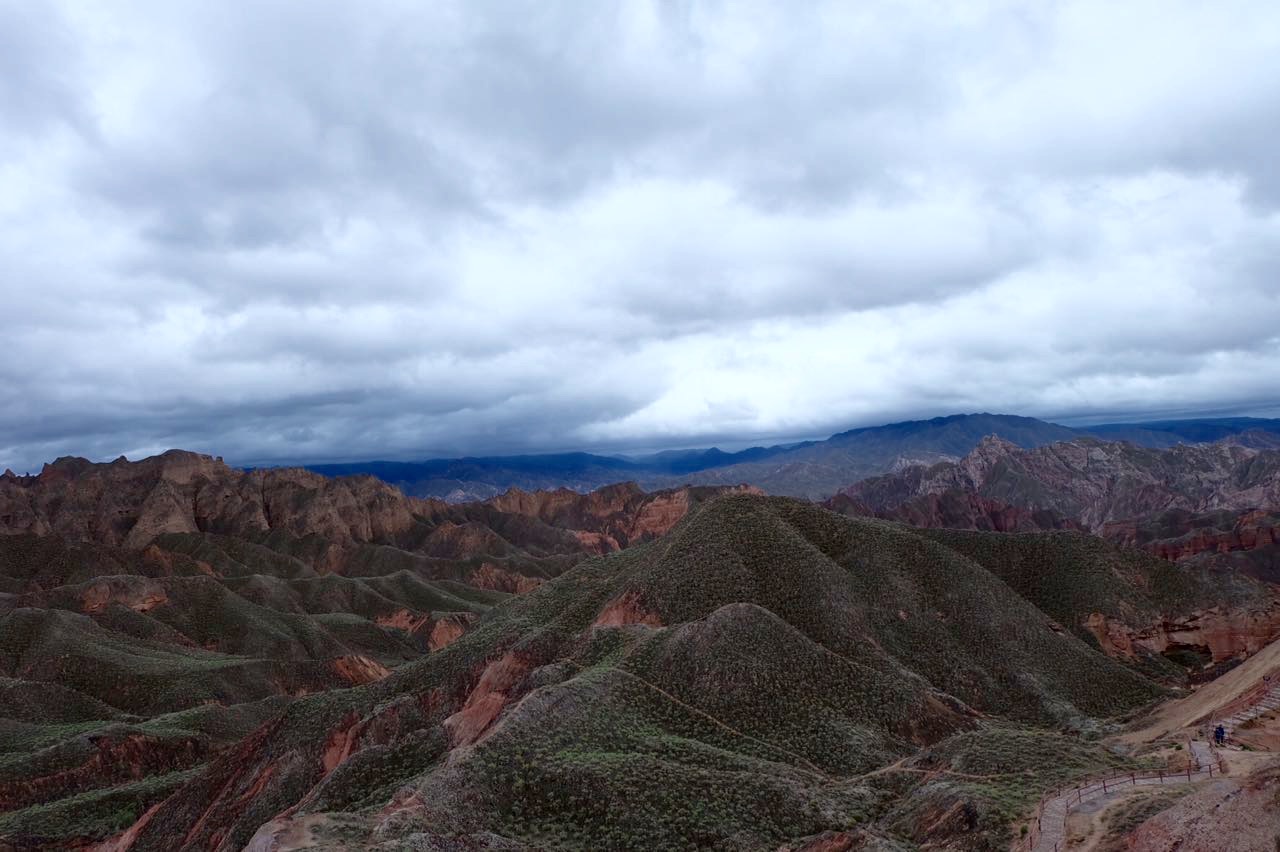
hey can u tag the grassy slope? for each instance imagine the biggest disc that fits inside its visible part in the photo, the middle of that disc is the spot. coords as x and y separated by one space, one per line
88 699
802 651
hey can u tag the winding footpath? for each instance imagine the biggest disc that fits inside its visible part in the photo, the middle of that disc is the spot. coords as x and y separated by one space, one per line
1049 829
1052 835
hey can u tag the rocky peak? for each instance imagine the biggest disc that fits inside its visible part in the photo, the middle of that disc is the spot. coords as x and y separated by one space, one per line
181 466
130 503
981 459
994 444
64 468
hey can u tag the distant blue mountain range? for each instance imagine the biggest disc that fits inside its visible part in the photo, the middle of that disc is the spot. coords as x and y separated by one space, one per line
814 469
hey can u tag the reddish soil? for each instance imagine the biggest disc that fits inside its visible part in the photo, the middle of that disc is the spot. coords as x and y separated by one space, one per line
359 670
491 577
628 608
491 695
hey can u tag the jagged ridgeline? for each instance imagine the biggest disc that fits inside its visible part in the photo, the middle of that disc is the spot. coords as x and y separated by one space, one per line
766 672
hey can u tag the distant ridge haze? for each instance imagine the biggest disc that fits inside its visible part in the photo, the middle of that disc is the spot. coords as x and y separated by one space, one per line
813 469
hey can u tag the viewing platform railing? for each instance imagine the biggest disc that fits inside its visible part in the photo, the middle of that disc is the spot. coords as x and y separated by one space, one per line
1086 788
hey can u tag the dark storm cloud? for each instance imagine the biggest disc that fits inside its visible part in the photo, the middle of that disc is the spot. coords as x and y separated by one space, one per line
303 231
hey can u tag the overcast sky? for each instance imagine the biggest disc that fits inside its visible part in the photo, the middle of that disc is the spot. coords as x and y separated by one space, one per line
306 231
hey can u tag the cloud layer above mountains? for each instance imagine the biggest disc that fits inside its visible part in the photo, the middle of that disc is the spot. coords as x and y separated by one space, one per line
285 231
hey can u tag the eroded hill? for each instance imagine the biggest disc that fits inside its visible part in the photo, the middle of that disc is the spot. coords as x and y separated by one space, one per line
154 613
767 672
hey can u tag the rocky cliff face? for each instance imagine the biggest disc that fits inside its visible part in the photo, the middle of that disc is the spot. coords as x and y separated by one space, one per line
1183 503
1180 534
130 504
613 517
955 509
1093 482
1217 633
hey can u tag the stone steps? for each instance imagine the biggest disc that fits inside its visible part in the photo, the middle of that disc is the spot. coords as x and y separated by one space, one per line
1270 701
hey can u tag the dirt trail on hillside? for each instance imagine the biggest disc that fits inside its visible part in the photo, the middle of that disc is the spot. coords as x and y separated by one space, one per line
1240 806
1052 834
1239 814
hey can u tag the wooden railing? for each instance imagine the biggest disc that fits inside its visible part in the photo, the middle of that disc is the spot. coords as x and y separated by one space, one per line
1085 788
1244 701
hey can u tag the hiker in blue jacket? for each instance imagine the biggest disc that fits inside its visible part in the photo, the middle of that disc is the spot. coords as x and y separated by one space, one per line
1219 735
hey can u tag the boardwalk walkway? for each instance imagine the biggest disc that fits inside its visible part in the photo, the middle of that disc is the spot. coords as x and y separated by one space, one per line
1049 827
1050 834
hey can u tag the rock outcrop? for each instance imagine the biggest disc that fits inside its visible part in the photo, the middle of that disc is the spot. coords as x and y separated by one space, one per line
954 509
129 504
1092 482
1180 534
613 517
1218 633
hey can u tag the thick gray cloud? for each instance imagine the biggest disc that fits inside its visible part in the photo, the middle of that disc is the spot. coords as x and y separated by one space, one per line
288 231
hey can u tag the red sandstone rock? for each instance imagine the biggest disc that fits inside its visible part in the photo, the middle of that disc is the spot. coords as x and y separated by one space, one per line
1224 634
404 619
490 696
448 629
612 517
130 503
1180 535
139 595
359 670
338 746
490 576
628 608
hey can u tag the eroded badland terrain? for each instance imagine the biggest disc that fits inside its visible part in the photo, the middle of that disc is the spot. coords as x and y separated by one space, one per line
198 657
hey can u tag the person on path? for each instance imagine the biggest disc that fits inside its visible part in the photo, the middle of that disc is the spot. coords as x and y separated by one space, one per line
1219 735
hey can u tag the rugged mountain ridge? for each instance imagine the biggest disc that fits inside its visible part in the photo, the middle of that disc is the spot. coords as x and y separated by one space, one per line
154 613
128 504
197 657
735 681
1086 480
332 524
812 469
1190 503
